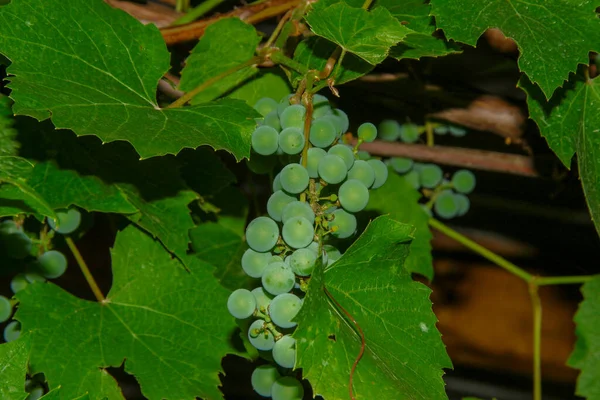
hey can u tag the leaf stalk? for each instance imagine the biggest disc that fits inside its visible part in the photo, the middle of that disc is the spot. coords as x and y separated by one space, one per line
85 270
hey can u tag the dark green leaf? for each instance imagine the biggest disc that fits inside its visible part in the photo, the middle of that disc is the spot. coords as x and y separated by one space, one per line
368 34
570 123
404 354
264 84
94 69
417 45
226 44
400 200
167 324
13 367
541 28
586 355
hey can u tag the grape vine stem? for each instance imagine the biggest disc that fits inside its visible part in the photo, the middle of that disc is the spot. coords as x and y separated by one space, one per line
536 305
85 270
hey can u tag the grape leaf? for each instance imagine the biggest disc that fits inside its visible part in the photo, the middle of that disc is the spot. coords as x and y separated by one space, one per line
168 324
265 84
540 27
400 200
226 44
569 121
404 354
8 144
314 52
586 355
13 368
94 69
368 34
55 395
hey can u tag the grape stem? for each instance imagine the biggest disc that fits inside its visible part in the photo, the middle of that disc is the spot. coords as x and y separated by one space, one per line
85 270
536 305
197 11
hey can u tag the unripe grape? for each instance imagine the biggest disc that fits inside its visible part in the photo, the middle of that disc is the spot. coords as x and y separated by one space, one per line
52 264
283 104
457 131
291 141
255 263
293 117
287 388
321 106
297 209
381 173
463 181
12 331
445 205
5 309
278 278
412 177
344 152
262 234
284 351
277 183
409 133
315 154
440 130
345 224
241 304
284 308
277 202
18 283
265 140
294 178
263 299
362 171
431 175
297 232
260 337
322 133
389 130
272 120
332 169
343 118
353 195
367 132
401 165
463 203
303 261
263 379
265 105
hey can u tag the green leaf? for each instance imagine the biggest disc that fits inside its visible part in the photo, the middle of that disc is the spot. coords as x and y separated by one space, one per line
264 84
541 28
226 44
400 200
55 394
586 355
417 45
203 171
8 144
404 354
13 368
368 34
314 52
569 122
95 69
165 323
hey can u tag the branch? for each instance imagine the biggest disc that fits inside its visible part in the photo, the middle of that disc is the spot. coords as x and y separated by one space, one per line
252 14
455 156
157 14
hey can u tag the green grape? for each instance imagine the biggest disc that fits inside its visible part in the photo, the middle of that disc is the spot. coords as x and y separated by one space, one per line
322 133
283 309
293 117
265 140
275 259
332 169
367 132
336 121
287 388
315 154
278 278
263 378
463 203
17 245
440 130
277 183
389 130
353 195
291 141
241 304
430 175
255 263
457 131
12 331
33 277
298 209
344 152
5 309
294 178
261 164
277 203
463 181
262 234
413 178
343 117
18 283
303 261
8 226
381 173
345 224
52 264
68 221
409 133
321 106
265 105
445 205
333 254
297 232
362 171
363 155
284 351
263 299
259 336
314 246
35 393
272 120
401 165
283 104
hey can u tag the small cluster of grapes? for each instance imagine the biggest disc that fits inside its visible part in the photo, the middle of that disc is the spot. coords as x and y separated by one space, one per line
312 200
391 130
48 264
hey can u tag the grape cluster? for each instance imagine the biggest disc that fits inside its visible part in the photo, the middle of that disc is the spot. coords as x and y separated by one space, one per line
391 130
315 197
40 263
